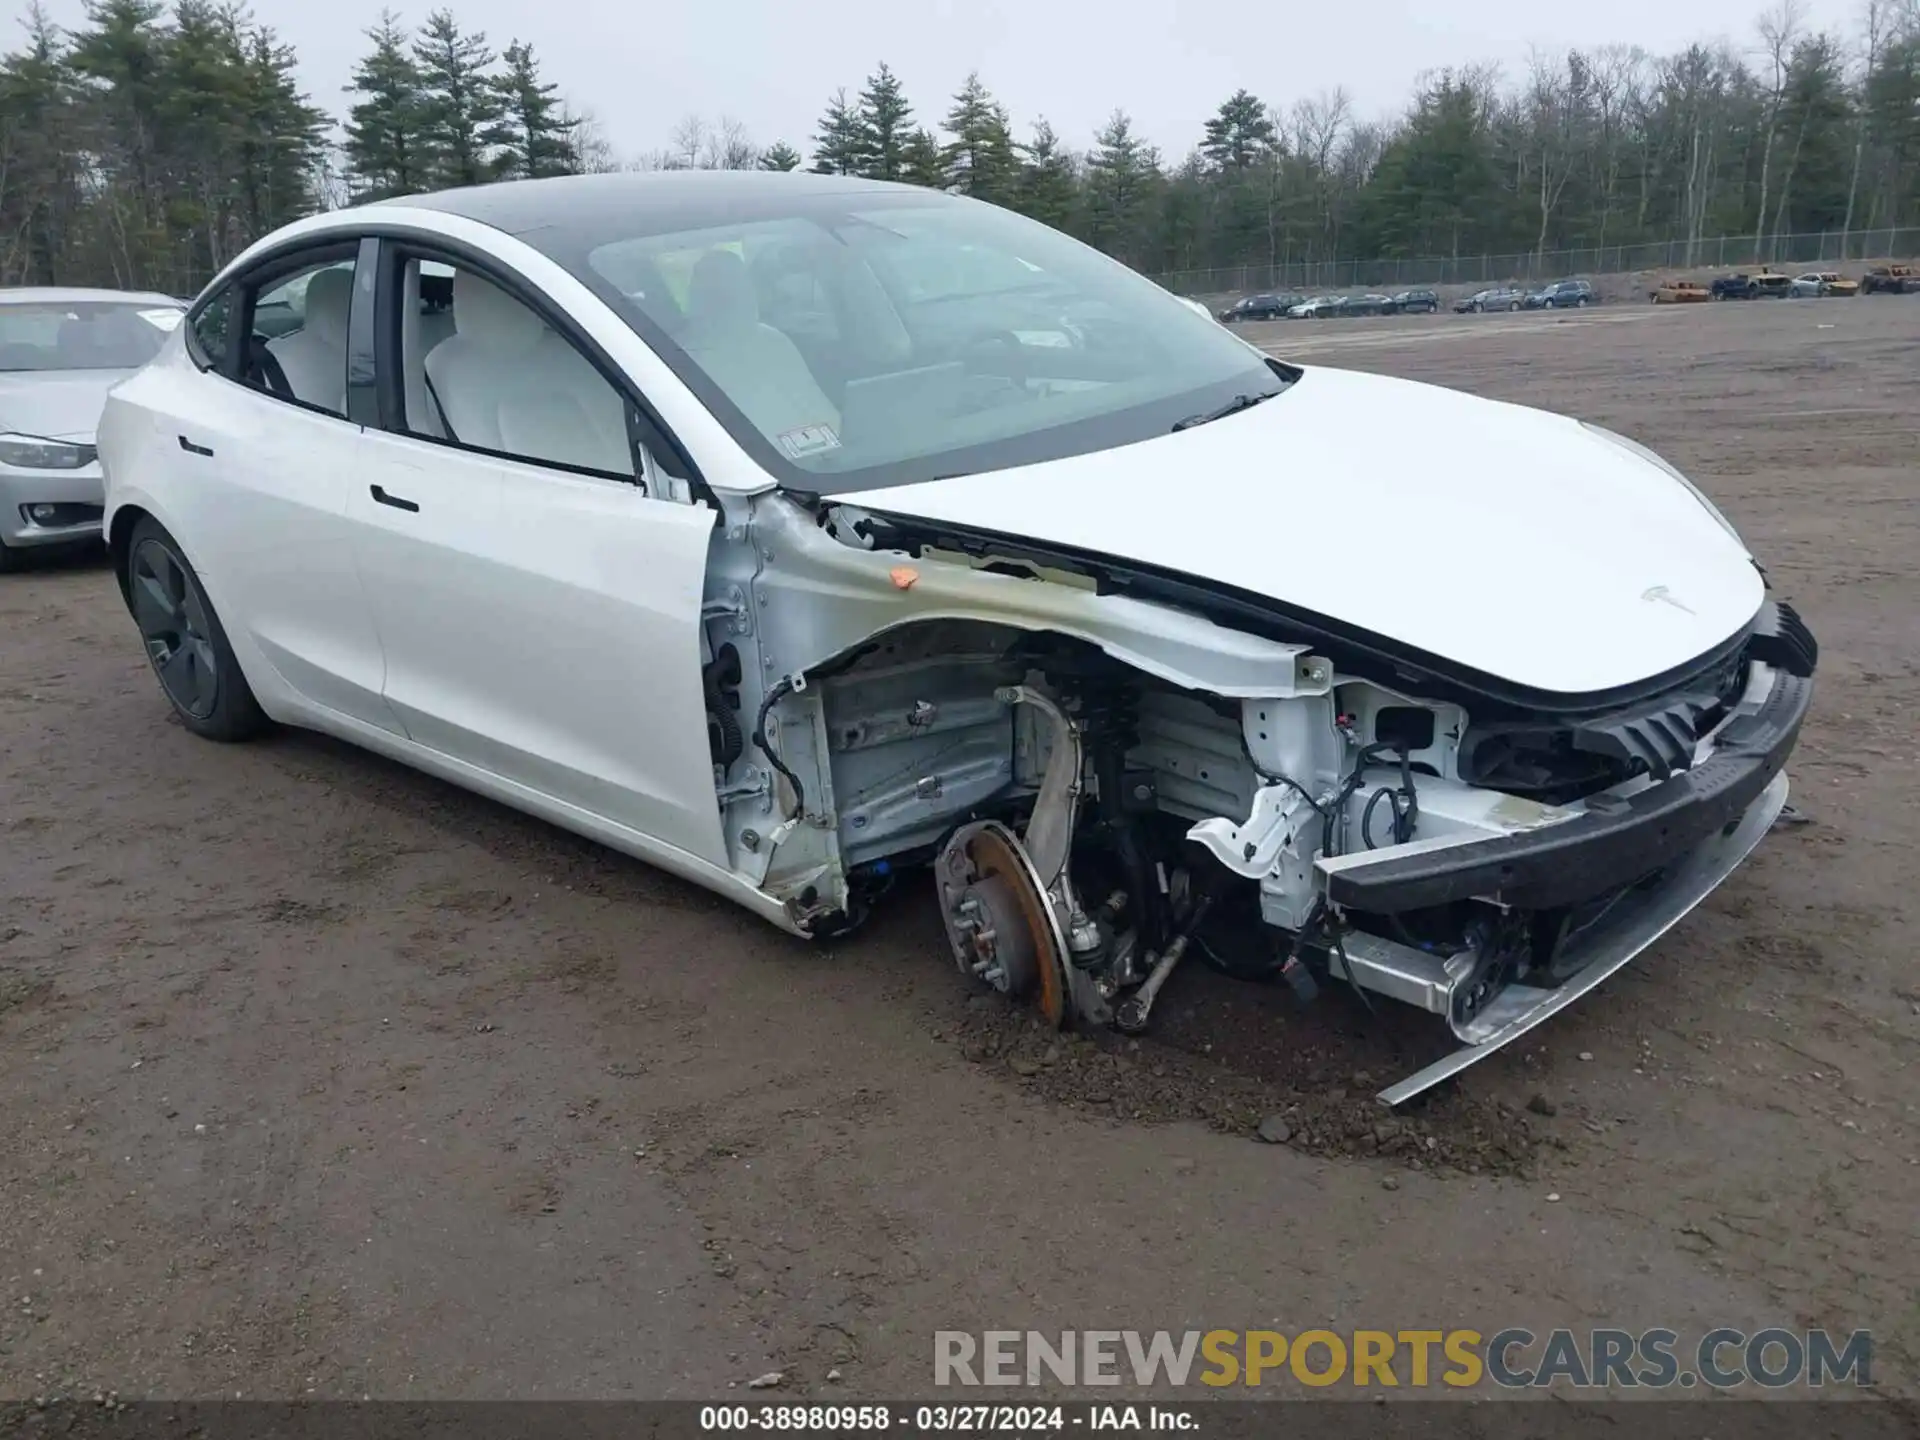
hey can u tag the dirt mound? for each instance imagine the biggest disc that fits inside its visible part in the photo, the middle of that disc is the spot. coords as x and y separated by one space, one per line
1222 1057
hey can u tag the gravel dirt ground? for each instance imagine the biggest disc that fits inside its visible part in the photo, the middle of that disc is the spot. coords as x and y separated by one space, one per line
324 1078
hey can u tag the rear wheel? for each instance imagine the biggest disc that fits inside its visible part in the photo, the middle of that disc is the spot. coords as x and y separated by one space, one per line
185 642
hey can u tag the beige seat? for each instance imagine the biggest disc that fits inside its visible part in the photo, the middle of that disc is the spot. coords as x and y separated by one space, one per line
504 381
758 367
314 357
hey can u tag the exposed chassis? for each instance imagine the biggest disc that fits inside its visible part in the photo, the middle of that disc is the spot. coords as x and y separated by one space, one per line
1099 760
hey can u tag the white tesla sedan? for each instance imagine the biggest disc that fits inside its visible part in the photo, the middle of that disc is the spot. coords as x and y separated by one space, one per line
789 531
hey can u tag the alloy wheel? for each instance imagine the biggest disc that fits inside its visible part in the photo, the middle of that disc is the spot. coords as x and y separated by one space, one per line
173 621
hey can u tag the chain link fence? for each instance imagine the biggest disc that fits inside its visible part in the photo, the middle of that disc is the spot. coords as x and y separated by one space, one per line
1831 247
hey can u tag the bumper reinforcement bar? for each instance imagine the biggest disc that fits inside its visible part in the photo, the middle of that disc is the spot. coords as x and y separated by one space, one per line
1635 922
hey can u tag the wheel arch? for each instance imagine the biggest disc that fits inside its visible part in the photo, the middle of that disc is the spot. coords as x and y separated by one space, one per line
120 528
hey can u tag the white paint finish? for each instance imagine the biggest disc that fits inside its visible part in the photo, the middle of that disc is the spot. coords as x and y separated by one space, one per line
642 846
1495 536
263 520
543 627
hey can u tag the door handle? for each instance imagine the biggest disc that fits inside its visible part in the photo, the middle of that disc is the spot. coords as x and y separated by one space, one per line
193 449
383 498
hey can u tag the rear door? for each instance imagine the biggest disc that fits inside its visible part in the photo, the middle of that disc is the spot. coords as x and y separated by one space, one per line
266 464
536 586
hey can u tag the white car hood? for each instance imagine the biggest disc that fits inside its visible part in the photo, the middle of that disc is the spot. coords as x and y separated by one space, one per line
1508 540
56 404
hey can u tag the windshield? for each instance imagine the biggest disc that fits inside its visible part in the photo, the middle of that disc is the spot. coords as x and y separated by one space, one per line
879 340
82 334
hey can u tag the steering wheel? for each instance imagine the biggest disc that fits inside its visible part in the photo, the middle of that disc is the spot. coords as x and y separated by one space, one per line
262 362
994 351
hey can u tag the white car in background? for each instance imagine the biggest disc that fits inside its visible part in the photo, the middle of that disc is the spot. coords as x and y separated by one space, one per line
61 350
791 532
1816 283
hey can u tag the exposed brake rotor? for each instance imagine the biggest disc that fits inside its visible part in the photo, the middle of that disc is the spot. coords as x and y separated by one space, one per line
999 920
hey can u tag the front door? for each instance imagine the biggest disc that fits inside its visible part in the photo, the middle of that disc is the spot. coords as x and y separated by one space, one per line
539 610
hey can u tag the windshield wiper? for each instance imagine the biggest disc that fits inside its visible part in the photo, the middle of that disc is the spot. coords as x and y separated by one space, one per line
1232 407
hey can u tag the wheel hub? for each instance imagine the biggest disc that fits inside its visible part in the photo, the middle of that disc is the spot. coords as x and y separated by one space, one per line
998 918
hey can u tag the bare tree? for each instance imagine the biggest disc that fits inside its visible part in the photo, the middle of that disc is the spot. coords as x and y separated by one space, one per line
728 147
697 144
1317 126
1614 75
1779 28
1872 24
591 145
687 144
1556 96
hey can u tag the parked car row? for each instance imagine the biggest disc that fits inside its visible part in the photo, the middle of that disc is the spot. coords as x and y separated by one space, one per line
1560 295
1288 306
1761 284
1773 284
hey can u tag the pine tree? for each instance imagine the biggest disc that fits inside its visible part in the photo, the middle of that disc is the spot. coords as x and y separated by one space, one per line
282 140
1238 138
461 102
883 117
388 151
1121 175
1238 133
982 159
534 134
836 146
780 156
40 135
921 162
120 63
1049 188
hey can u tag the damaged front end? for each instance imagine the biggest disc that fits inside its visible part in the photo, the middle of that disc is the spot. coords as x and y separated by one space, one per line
1109 770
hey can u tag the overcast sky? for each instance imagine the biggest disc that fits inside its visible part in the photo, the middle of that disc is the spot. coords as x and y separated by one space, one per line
640 67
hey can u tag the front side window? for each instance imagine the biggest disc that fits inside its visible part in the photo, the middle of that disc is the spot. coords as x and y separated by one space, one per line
480 368
872 340
298 350
211 324
83 334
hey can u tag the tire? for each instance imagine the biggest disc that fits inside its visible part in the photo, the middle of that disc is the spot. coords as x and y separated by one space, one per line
185 641
9 558
1580 302
1513 305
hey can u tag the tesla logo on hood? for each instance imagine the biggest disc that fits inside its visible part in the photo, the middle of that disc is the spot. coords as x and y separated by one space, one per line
1661 593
